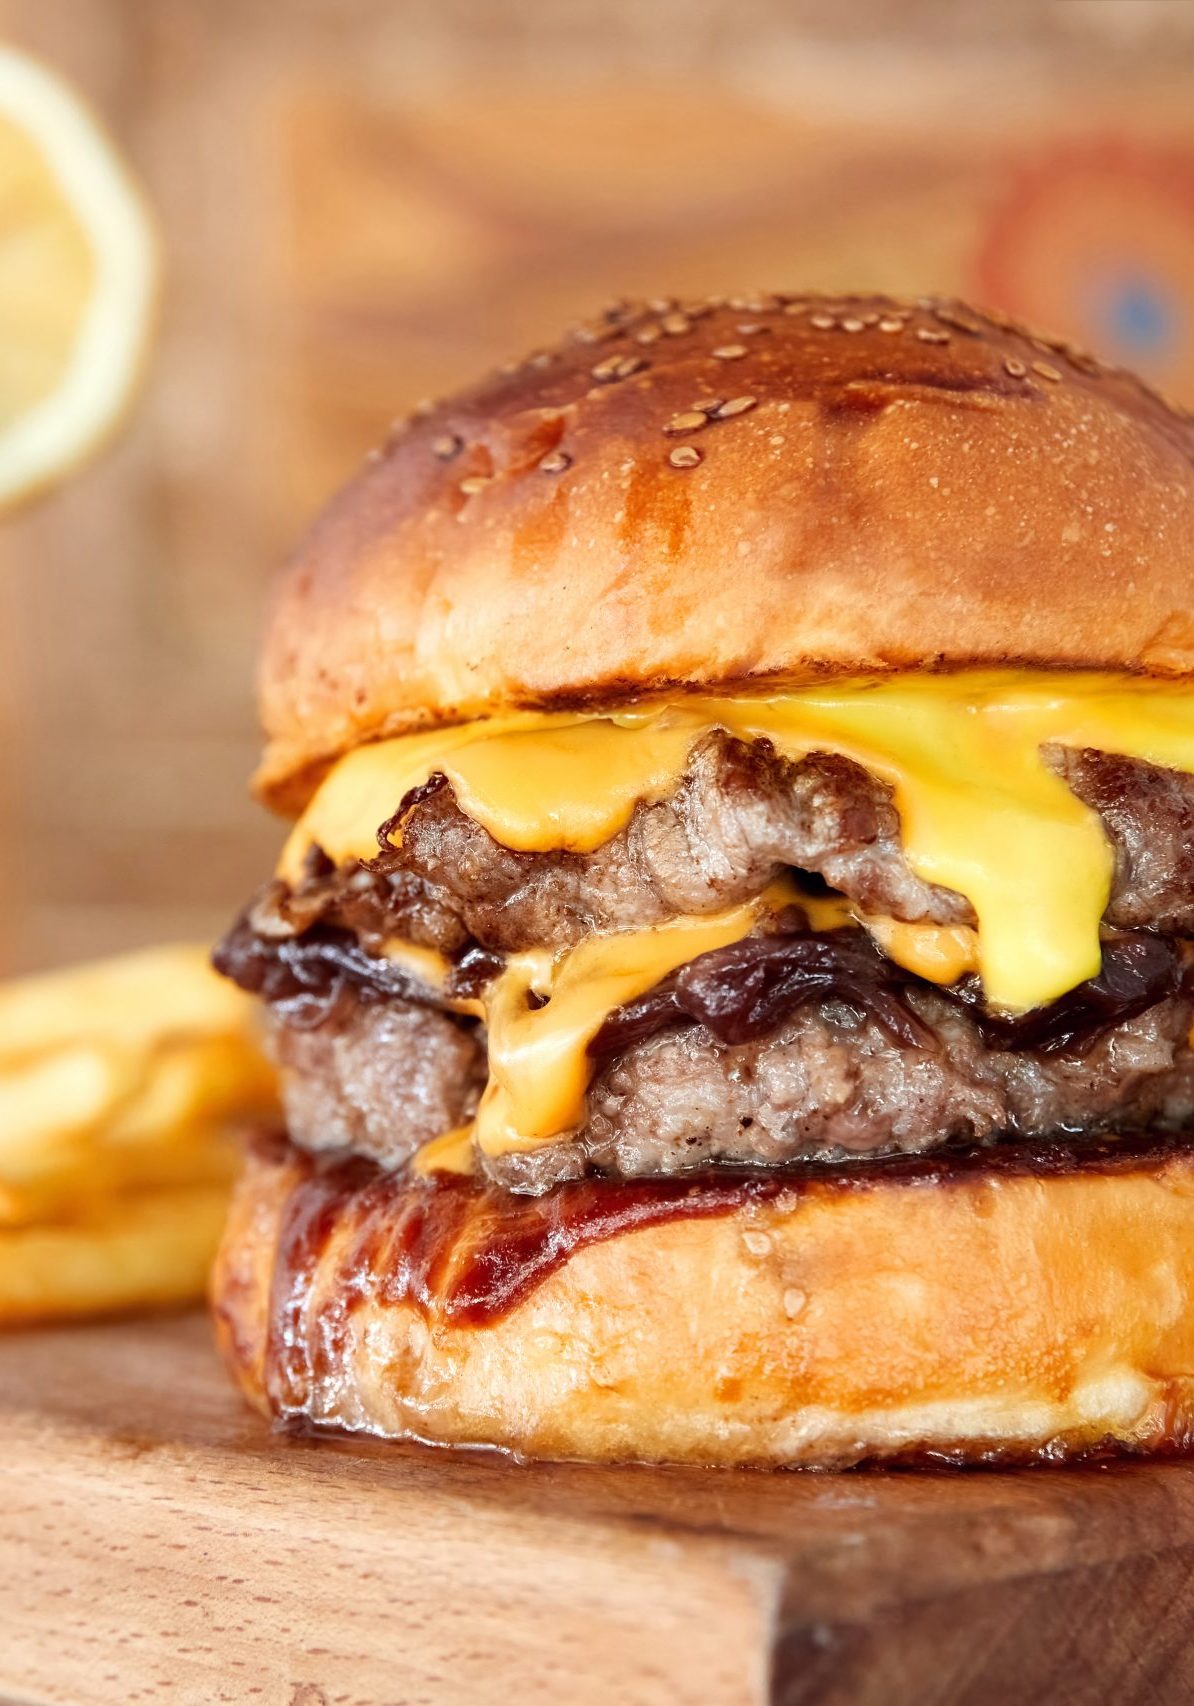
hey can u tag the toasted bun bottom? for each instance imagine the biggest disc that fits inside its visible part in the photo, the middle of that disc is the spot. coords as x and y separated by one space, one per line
984 1312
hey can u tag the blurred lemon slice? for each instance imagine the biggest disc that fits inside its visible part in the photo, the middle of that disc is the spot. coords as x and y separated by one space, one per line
78 275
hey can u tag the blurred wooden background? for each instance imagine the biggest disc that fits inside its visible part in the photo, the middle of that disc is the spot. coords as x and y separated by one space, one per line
363 201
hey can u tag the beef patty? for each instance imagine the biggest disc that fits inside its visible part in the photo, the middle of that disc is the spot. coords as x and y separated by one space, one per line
828 1081
869 1060
785 1046
739 816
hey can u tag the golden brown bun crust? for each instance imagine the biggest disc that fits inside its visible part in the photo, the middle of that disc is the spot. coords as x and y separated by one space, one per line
904 486
981 1314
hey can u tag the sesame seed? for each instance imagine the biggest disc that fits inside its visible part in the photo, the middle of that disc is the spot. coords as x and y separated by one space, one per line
555 462
684 456
675 325
661 304
597 331
1046 371
696 310
870 319
823 322
757 1243
648 335
891 325
541 359
963 322
729 352
851 325
691 421
424 406
735 406
927 335
708 405
1016 368
617 367
795 307
473 484
748 328
794 1300
446 446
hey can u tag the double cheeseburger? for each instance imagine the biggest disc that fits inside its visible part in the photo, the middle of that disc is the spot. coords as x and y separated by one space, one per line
732 967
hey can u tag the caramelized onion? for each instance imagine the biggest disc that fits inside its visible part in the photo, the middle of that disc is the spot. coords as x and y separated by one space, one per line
1137 972
746 990
743 991
306 978
739 993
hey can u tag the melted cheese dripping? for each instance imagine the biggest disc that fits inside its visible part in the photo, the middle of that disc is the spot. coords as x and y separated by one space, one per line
980 811
539 1067
452 1152
544 1009
940 953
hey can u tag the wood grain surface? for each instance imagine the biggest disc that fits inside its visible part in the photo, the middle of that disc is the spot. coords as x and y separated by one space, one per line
158 1543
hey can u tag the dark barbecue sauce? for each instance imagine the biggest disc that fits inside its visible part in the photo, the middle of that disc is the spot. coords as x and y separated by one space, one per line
459 1249
465 1252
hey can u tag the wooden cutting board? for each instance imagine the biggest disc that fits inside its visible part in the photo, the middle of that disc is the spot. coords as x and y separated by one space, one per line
159 1544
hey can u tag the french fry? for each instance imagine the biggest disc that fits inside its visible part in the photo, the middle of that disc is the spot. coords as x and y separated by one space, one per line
51 1100
120 1084
199 1157
135 1000
146 1250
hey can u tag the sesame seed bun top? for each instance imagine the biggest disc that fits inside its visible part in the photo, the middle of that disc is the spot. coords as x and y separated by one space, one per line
716 493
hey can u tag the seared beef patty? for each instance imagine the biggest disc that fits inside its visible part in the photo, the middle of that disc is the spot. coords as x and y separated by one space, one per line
381 1078
868 1060
785 1046
829 1085
740 815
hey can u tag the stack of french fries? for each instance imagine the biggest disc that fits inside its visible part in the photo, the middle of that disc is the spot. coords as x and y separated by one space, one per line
122 1085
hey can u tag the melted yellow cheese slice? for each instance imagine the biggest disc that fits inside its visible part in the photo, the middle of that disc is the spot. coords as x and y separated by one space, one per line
539 1067
941 953
981 813
451 1152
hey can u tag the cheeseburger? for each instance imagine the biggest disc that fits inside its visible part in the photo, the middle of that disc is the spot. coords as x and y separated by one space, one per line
732 967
